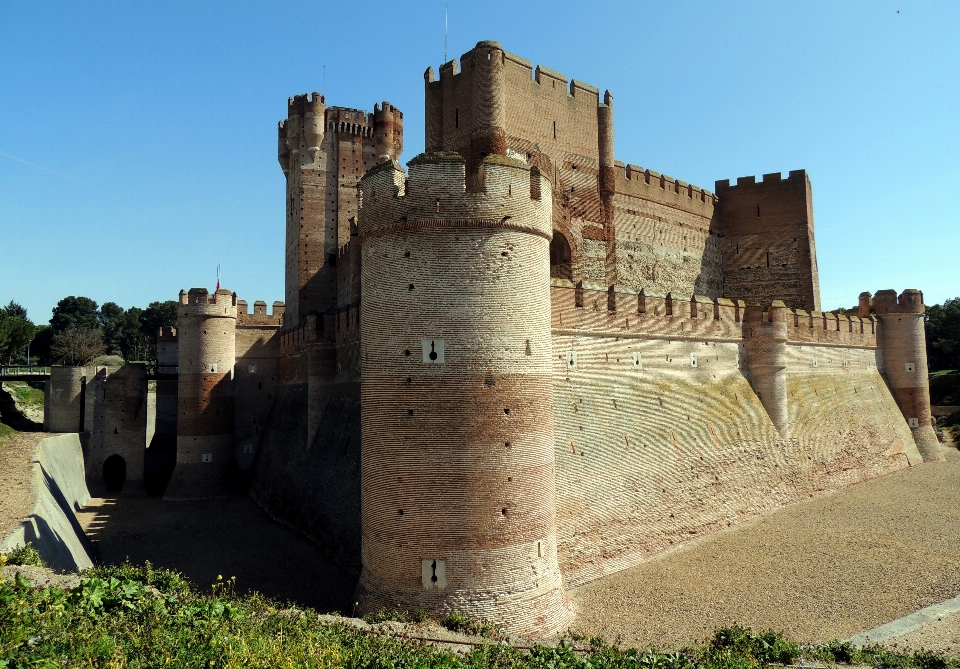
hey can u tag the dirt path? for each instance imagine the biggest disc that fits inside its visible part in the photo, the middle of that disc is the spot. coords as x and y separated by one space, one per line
228 536
822 569
16 464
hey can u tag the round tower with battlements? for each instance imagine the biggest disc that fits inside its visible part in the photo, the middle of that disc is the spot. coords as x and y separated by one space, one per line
206 334
903 351
387 131
458 482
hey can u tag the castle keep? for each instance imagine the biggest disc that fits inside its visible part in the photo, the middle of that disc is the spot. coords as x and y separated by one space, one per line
525 364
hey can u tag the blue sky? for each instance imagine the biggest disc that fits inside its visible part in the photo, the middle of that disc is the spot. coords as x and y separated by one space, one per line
138 139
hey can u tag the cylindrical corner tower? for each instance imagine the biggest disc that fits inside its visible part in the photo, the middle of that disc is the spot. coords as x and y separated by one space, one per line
387 131
903 349
206 333
766 360
458 495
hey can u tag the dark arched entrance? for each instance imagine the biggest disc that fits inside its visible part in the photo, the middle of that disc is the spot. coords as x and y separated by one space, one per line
561 263
114 473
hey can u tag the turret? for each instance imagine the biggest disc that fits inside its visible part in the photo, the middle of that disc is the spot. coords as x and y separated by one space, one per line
608 184
283 152
903 352
458 485
765 338
488 135
206 334
387 131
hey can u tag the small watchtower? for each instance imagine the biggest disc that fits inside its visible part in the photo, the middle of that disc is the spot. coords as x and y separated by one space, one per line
206 333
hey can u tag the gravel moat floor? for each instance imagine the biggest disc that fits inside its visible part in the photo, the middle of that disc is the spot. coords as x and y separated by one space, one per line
822 569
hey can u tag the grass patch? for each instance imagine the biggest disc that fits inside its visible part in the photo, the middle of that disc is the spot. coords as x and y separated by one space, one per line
131 616
391 615
25 394
460 622
6 431
25 555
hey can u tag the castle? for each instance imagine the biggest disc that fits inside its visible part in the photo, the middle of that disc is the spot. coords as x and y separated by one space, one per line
524 365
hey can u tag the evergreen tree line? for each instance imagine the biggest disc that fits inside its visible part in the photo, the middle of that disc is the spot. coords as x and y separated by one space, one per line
79 331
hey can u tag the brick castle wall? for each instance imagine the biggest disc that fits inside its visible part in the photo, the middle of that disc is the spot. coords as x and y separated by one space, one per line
119 421
457 468
256 375
768 244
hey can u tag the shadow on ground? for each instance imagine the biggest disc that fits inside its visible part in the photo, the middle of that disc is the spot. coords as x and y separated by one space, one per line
228 536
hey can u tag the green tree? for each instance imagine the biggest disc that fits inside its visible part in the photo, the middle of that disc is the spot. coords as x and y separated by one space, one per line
943 335
16 331
77 346
75 312
40 346
157 315
108 313
123 335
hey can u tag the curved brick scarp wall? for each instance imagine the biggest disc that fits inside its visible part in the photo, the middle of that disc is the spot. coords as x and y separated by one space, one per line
661 438
206 329
457 467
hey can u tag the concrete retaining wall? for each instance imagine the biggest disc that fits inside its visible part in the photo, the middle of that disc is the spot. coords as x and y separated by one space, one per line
59 490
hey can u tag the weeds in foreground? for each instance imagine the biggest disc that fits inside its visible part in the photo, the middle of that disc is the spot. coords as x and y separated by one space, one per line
461 622
397 616
25 555
137 616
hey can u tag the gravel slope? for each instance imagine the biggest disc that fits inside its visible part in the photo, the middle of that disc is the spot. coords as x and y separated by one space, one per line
822 569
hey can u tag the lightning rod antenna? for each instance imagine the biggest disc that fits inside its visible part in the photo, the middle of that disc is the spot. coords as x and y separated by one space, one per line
446 29
324 81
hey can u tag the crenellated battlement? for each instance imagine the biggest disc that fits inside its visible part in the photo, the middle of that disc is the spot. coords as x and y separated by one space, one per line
618 310
166 333
200 302
260 317
347 121
910 301
771 178
435 194
544 77
298 105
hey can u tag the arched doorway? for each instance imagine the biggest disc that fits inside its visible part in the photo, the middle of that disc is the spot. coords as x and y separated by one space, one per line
114 473
561 263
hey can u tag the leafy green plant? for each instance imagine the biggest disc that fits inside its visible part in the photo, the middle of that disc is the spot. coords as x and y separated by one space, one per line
138 616
766 647
397 616
25 555
465 624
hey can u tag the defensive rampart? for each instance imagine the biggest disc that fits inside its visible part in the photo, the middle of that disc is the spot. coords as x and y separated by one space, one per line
661 436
